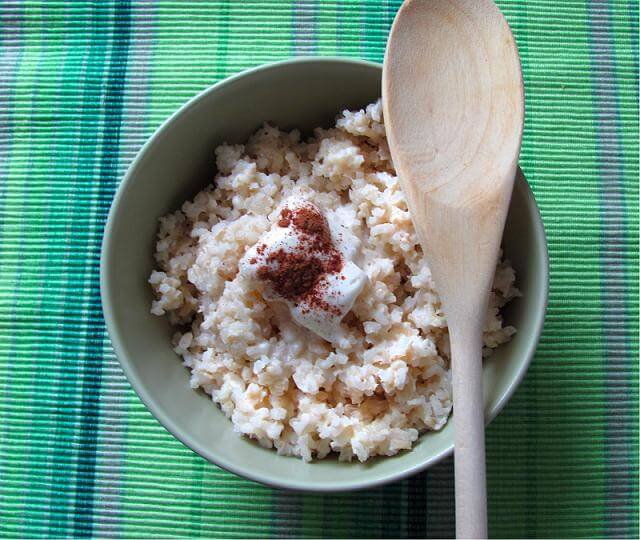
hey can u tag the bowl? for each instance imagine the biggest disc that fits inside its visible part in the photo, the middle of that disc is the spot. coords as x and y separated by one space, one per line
177 162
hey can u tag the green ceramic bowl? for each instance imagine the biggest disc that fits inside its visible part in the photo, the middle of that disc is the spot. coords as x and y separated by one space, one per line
173 166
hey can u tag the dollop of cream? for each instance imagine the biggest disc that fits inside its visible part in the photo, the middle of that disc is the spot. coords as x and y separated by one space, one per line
307 261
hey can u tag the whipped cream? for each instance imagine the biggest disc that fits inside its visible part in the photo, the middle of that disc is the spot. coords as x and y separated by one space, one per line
306 261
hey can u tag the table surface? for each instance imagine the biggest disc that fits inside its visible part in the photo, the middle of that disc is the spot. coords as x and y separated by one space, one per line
83 84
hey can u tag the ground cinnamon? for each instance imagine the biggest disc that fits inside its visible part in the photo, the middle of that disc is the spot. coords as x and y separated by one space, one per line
297 275
293 274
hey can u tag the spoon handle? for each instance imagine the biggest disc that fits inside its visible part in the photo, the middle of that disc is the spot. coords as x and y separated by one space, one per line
468 418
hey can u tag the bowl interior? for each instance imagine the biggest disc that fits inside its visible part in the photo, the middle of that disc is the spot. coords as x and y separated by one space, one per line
176 163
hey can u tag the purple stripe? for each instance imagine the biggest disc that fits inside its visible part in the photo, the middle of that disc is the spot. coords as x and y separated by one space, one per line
305 40
11 46
618 369
633 23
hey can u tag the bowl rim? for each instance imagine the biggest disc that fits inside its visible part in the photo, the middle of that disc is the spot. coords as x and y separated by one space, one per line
157 410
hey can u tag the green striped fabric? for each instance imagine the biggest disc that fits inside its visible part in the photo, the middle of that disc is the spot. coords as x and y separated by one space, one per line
83 84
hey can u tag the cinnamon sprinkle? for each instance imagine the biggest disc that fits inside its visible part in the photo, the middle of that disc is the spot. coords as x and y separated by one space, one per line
298 276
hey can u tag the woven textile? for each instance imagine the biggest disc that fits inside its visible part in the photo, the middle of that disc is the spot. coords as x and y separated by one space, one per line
83 84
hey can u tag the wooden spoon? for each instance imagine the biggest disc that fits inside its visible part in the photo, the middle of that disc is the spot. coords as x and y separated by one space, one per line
454 108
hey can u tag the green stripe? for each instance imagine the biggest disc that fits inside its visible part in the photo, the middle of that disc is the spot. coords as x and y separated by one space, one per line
64 455
57 189
107 178
12 471
348 21
15 232
530 448
327 26
376 28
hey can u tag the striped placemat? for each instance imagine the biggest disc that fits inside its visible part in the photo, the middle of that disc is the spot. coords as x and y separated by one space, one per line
83 84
